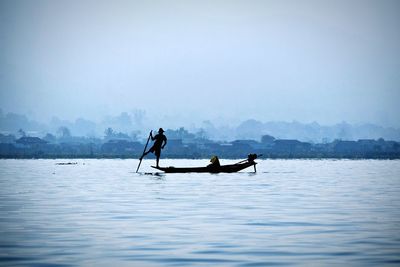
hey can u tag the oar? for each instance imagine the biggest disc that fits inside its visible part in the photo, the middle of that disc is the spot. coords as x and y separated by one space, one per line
144 151
247 159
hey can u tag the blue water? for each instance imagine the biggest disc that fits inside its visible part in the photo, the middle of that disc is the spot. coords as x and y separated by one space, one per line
291 212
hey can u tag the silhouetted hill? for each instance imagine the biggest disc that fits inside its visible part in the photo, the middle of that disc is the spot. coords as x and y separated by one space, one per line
314 132
135 125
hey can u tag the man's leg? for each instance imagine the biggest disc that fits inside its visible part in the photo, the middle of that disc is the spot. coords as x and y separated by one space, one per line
157 160
151 149
157 153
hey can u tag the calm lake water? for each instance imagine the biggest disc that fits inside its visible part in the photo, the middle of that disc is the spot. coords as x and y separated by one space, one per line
291 212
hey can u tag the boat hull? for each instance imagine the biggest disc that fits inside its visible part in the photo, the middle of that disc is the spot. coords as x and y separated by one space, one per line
210 169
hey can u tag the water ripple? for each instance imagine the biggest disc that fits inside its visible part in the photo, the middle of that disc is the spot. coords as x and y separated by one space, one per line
292 212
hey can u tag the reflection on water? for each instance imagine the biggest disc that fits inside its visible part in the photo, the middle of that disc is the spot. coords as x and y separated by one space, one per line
291 212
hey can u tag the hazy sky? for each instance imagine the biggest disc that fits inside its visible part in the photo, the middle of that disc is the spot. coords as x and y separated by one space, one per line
324 61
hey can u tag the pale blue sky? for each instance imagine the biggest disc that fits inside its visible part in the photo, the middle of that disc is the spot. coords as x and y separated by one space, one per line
324 61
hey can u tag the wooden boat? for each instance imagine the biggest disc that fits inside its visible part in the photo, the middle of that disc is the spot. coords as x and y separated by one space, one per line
214 168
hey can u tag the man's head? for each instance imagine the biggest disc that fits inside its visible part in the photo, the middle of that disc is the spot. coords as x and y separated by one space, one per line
160 131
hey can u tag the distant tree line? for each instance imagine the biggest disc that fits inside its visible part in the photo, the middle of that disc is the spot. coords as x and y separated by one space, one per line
131 123
183 144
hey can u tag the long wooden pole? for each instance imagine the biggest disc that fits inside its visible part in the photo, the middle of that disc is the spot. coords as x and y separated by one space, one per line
144 151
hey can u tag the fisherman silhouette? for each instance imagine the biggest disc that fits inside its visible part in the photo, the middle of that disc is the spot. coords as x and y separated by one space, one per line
158 139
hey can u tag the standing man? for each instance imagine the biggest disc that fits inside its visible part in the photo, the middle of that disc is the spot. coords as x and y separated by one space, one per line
160 140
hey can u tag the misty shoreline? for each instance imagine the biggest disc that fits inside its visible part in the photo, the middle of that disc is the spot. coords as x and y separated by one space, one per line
394 157
135 126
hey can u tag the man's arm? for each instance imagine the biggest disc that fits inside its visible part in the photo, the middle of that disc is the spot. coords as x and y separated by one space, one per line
165 142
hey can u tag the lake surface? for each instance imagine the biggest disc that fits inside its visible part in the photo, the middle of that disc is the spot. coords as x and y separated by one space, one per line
291 212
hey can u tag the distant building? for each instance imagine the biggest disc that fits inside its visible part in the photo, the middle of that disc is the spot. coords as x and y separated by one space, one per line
50 138
368 145
121 147
267 139
244 145
244 142
174 147
175 142
7 139
30 141
290 145
346 146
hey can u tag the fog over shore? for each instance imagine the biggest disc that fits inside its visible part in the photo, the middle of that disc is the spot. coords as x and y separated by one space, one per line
137 124
186 62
